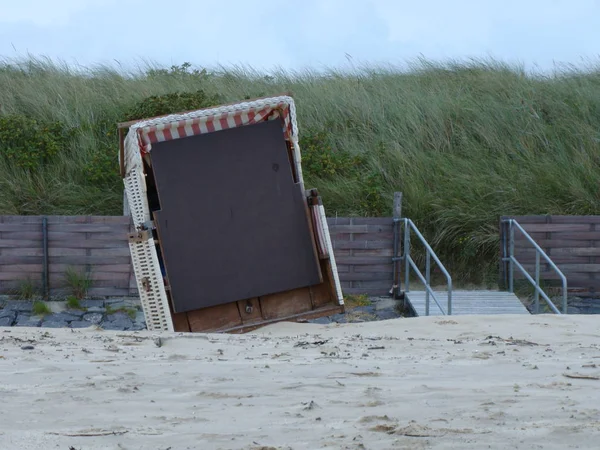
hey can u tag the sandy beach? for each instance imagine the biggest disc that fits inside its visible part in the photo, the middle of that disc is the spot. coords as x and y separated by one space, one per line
443 383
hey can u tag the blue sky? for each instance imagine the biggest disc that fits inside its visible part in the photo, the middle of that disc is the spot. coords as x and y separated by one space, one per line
302 33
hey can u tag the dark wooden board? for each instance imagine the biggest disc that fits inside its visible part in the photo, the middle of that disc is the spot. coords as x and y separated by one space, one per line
233 224
324 293
371 276
214 318
383 290
557 259
88 260
180 322
327 310
107 292
371 221
374 252
378 284
20 243
361 229
370 236
363 260
550 243
523 220
250 310
321 295
338 221
288 303
361 244
373 268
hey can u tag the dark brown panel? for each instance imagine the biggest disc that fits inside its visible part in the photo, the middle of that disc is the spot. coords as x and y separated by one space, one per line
373 221
19 259
374 284
374 268
575 219
371 276
326 310
250 310
338 221
555 219
383 290
553 243
180 320
374 252
233 224
360 244
214 318
549 274
325 292
361 229
371 236
552 227
277 306
320 295
19 243
362 260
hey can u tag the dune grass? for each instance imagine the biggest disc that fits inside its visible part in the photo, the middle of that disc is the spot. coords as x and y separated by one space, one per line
465 142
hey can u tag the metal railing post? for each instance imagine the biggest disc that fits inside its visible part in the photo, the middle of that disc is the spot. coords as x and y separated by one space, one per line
537 282
45 267
395 281
511 255
428 279
564 286
406 255
425 279
540 253
450 297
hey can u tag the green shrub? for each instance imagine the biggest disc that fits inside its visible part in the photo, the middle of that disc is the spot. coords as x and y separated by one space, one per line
102 167
28 143
74 303
320 160
27 290
183 71
78 282
158 105
131 312
41 308
373 201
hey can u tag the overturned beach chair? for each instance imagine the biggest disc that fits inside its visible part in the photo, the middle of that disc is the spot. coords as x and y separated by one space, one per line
227 238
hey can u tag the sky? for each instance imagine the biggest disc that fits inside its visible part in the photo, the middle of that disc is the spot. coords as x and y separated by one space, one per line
299 34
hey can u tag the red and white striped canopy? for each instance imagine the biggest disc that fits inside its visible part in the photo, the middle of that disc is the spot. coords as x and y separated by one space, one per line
215 119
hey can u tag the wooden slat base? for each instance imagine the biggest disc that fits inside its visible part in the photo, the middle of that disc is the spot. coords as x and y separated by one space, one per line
246 315
321 312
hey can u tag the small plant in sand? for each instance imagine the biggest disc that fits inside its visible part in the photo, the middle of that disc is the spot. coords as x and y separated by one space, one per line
131 312
27 290
74 303
353 301
41 308
78 282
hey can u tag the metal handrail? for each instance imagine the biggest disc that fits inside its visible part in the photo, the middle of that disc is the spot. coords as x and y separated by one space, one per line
512 260
426 280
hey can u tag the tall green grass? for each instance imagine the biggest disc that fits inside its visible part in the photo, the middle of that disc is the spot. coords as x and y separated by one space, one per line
465 142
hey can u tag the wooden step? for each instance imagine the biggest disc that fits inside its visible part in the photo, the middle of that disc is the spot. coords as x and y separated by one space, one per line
468 303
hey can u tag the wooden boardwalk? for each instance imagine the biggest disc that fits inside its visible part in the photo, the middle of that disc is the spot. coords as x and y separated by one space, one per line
468 303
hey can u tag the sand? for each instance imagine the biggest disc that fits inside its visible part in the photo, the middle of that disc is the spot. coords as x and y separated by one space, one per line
456 383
